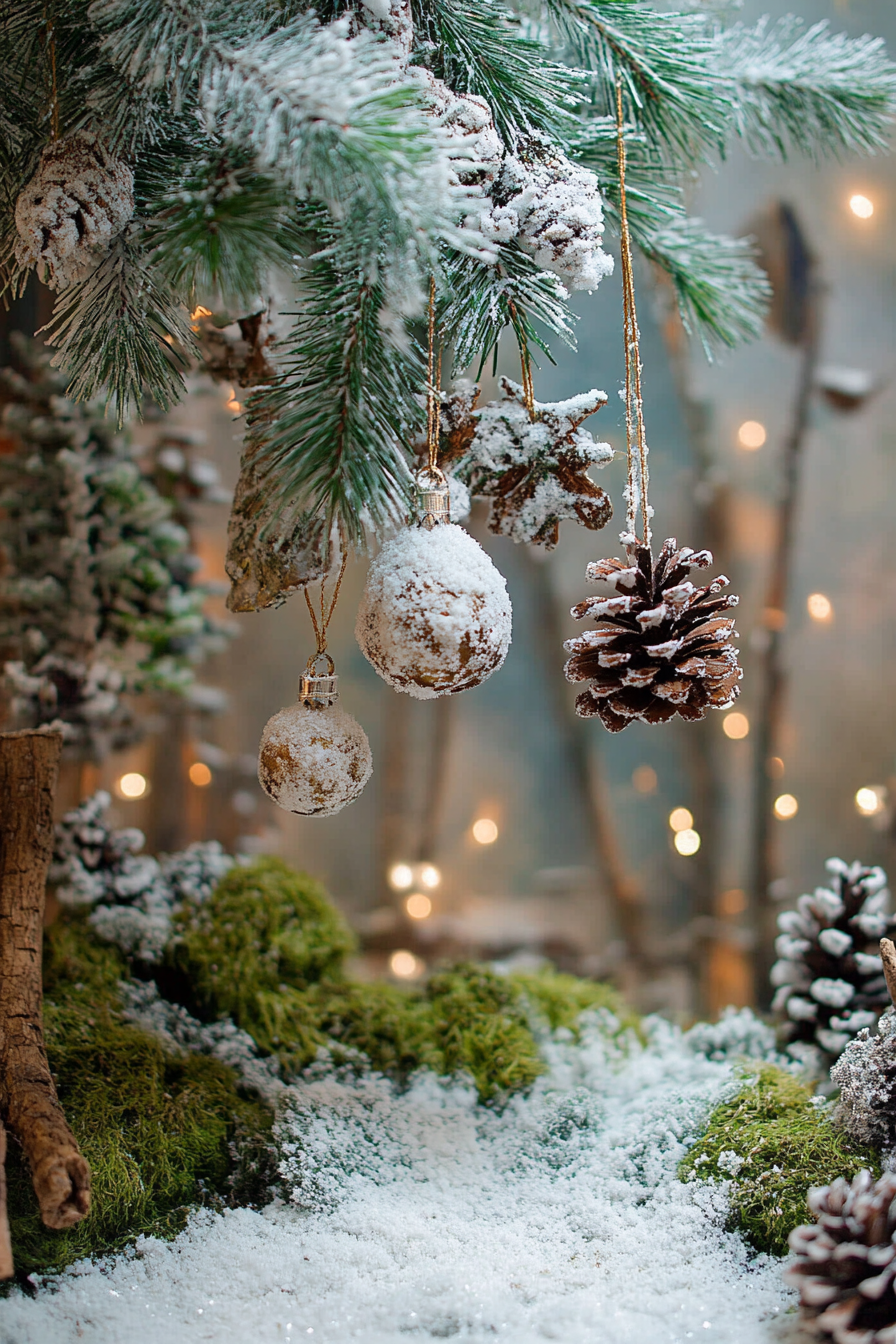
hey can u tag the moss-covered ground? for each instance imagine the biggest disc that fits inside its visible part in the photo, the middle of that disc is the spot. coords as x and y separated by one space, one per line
158 1131
164 1132
773 1143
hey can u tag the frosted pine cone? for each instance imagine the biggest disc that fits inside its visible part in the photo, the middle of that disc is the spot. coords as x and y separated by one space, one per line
866 1076
552 208
846 1261
662 647
829 976
67 216
467 119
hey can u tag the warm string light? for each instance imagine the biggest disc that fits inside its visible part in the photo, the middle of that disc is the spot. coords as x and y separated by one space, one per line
751 435
785 806
644 779
871 800
405 965
200 774
819 608
132 785
687 842
861 206
680 819
736 726
485 831
418 906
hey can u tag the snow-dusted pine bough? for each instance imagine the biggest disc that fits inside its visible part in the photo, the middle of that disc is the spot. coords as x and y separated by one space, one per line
169 168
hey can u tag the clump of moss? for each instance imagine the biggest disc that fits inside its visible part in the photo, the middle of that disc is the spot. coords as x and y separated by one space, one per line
263 937
773 1143
268 949
562 999
158 1131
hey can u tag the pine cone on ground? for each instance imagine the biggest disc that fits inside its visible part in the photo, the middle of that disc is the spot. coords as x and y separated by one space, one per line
829 974
846 1261
662 647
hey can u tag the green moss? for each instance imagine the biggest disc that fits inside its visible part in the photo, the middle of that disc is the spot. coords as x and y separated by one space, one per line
265 934
561 999
786 1144
157 1131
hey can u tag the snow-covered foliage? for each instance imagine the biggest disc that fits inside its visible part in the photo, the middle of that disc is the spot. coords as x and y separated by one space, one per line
829 976
99 592
738 1034
133 895
534 466
551 207
78 200
866 1075
418 1214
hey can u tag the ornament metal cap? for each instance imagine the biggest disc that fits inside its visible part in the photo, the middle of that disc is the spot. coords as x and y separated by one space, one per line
319 690
433 502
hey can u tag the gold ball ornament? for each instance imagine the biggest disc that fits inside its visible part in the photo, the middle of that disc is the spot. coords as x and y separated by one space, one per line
435 618
314 759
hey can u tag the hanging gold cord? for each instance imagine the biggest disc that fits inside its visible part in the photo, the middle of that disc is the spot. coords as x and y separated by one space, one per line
525 360
433 385
320 626
636 438
54 89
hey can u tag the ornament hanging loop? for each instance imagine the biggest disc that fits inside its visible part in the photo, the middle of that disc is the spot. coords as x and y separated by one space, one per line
433 498
319 690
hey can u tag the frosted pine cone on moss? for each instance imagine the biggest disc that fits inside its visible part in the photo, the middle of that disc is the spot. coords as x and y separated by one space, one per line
79 199
866 1076
534 469
846 1261
829 976
661 647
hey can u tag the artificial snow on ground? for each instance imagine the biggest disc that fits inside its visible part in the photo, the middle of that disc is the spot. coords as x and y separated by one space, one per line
421 1215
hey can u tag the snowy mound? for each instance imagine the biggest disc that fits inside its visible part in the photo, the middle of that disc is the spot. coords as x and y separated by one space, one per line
420 1215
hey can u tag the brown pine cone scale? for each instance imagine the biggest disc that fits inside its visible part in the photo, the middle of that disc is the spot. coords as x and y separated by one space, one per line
660 648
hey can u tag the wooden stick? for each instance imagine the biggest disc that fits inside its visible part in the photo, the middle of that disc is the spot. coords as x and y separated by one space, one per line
29 1107
888 957
6 1265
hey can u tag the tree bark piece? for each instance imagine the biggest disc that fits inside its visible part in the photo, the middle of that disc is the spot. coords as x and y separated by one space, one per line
6 1265
888 957
29 1107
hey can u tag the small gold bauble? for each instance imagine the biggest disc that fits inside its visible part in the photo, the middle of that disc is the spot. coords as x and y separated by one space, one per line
314 759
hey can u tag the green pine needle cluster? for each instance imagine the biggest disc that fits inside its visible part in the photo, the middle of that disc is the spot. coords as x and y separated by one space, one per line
773 1141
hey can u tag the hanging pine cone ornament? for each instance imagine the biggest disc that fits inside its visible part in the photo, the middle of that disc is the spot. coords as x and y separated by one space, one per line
531 463
662 647
435 618
829 976
845 1262
314 759
79 199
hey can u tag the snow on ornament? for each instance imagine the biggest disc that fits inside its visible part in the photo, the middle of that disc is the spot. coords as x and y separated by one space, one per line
67 216
435 618
314 759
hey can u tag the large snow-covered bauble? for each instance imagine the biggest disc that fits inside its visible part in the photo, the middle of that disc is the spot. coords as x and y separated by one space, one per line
314 759
435 617
67 216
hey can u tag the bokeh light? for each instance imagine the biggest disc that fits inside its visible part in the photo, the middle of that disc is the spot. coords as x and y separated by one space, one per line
774 767
644 779
401 876
751 435
430 876
485 831
680 819
819 607
687 842
871 800
405 965
861 206
418 906
786 806
200 775
132 785
735 726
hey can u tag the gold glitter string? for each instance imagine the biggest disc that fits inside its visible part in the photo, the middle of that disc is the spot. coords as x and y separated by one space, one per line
326 615
635 435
